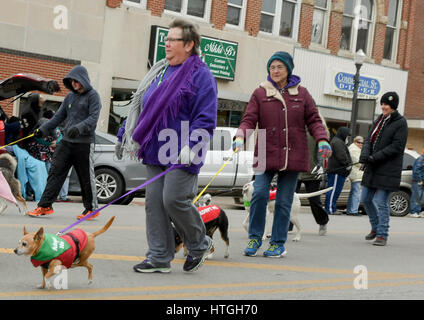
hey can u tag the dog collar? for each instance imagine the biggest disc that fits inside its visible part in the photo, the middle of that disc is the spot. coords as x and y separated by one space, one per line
52 247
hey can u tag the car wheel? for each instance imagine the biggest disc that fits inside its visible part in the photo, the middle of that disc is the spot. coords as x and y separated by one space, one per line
399 203
109 185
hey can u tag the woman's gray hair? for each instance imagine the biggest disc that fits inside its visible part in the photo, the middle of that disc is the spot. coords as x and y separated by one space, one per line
190 32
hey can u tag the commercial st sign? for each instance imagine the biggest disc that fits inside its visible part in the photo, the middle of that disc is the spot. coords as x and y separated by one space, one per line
341 83
219 55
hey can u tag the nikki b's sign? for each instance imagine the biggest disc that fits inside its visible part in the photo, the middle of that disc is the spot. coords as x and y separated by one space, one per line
219 55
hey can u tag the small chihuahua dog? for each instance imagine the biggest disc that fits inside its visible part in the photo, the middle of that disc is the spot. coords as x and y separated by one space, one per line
51 252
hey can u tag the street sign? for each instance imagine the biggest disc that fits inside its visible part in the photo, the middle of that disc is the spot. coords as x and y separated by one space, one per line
219 55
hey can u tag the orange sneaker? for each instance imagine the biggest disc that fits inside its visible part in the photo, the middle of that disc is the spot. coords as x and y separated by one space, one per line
40 211
86 212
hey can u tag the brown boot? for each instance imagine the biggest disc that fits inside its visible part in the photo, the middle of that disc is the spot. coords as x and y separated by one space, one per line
371 235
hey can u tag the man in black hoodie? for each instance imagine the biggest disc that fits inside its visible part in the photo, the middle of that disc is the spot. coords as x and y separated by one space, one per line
339 166
79 111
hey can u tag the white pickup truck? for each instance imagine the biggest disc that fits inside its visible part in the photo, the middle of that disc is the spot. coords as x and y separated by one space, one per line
235 174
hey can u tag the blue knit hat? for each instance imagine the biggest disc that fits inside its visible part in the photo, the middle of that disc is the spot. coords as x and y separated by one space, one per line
285 58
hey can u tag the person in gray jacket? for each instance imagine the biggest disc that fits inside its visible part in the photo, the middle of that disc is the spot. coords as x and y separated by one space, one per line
79 111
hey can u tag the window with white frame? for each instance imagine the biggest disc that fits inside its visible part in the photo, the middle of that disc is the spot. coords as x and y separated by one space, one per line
392 30
358 25
194 8
235 12
137 3
320 22
280 17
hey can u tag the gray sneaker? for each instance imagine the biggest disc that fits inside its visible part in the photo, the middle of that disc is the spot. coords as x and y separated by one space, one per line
148 267
322 229
194 263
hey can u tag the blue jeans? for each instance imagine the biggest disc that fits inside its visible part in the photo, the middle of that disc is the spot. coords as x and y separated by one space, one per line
337 182
376 204
416 197
286 186
354 197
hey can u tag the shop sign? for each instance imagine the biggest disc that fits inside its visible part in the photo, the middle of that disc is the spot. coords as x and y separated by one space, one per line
341 83
219 55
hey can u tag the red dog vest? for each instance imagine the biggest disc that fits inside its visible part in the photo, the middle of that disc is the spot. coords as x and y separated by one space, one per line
272 193
209 213
68 257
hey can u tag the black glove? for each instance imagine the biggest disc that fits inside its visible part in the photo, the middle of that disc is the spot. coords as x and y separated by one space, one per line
73 132
371 160
38 133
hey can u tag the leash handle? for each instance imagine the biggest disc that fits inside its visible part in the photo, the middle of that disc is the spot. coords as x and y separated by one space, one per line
219 171
31 135
177 166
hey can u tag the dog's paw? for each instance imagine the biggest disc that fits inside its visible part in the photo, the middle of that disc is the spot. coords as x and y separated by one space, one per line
90 282
296 239
48 285
41 286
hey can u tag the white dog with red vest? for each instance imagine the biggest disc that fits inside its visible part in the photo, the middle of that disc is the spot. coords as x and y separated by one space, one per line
247 197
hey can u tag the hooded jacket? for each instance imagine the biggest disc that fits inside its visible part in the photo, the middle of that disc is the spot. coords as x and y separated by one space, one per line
340 160
80 110
285 117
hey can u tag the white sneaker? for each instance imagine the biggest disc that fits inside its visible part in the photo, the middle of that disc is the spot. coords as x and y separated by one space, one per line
414 215
422 214
322 230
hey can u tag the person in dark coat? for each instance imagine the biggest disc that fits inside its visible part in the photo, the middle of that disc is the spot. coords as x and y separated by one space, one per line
382 156
80 112
283 110
338 168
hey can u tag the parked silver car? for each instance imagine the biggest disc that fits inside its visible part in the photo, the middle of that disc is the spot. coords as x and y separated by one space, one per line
399 201
115 177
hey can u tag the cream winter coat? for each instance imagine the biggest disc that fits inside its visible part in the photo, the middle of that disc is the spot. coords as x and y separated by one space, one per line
356 174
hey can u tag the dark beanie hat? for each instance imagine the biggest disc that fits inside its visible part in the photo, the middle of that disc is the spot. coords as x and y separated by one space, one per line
285 58
390 98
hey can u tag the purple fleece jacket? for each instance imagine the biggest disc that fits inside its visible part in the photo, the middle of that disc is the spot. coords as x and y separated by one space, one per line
200 111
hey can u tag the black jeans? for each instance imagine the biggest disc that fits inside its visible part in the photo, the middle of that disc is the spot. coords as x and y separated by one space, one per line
319 213
66 155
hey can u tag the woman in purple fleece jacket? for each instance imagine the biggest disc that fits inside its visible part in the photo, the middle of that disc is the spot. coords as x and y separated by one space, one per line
178 116
283 110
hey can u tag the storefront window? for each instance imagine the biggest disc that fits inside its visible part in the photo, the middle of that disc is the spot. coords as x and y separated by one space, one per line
392 30
320 21
235 12
230 112
194 8
357 25
278 17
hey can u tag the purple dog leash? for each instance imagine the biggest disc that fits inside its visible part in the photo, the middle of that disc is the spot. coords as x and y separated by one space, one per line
176 166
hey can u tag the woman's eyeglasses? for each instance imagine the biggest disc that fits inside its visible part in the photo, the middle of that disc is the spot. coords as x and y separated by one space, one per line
172 39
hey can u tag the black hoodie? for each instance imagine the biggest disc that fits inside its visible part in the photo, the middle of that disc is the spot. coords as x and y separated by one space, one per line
80 110
340 160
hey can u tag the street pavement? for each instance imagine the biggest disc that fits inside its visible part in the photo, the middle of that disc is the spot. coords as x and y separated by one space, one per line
340 265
